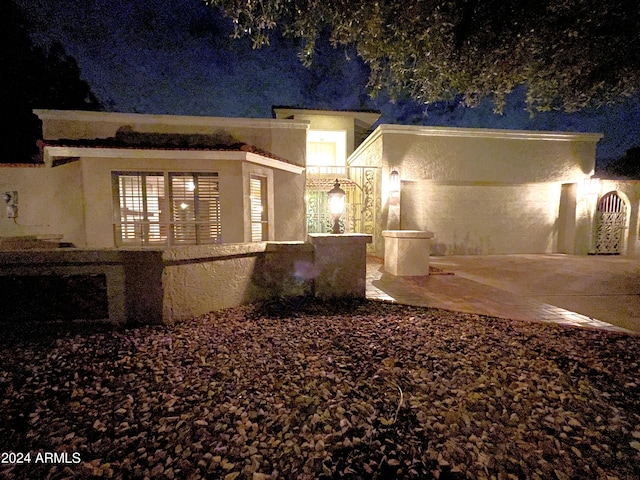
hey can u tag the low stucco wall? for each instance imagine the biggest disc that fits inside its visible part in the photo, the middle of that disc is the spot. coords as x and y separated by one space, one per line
64 263
165 285
154 285
201 279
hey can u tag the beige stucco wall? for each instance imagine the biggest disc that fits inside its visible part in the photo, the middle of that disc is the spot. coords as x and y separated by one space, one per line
286 219
568 224
98 200
91 210
476 219
355 124
49 202
340 264
578 204
448 154
196 287
332 123
480 191
283 138
164 285
289 207
370 154
156 285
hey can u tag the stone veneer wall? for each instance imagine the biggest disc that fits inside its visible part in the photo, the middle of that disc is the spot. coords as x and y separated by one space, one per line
166 285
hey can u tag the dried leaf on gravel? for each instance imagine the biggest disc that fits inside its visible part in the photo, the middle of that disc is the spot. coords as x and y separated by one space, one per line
309 390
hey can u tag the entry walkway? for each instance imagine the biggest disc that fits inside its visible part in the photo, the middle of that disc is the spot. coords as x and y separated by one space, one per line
587 291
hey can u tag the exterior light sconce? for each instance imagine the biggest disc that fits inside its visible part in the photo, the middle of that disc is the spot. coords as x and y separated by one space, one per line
336 205
394 187
591 187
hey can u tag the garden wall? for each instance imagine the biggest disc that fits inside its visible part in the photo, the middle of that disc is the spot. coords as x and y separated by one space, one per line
165 285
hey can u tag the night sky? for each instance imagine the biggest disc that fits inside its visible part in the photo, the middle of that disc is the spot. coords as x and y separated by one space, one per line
176 57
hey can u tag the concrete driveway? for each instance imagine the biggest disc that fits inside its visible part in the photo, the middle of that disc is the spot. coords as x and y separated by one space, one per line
537 286
603 287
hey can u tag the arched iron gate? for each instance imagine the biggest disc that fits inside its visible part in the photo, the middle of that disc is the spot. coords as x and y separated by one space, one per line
611 219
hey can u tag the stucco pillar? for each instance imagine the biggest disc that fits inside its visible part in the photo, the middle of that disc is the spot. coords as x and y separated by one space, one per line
406 252
632 237
567 218
341 264
143 285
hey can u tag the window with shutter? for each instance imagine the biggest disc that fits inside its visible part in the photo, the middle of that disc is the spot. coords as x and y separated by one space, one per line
259 211
140 210
145 215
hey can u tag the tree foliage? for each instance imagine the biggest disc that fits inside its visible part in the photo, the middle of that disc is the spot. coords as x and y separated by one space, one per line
33 77
569 53
626 167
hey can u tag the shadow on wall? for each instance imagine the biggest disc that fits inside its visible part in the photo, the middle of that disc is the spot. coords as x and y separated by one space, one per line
438 249
464 247
277 275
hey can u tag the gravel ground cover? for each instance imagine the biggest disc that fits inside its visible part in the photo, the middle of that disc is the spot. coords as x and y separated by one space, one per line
304 390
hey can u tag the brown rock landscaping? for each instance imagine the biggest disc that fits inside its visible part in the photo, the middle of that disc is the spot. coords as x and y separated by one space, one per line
302 390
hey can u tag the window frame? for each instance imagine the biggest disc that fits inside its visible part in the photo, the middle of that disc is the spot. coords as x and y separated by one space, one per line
327 152
166 231
259 207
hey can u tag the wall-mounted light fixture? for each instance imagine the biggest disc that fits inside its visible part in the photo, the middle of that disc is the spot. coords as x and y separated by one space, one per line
394 187
336 205
591 187
11 204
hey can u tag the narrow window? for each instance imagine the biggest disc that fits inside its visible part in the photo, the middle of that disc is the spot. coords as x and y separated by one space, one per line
140 211
195 207
259 210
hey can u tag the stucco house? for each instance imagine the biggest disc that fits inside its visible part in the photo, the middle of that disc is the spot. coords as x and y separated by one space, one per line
165 217
480 191
492 191
174 216
130 180
112 180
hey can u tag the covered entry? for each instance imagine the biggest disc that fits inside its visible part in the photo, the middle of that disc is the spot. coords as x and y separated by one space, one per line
361 198
319 220
611 219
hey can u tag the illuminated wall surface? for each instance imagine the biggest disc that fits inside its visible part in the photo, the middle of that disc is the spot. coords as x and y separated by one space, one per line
483 191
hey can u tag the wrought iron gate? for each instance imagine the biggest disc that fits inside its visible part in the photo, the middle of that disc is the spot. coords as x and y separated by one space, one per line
319 220
360 205
611 218
367 179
